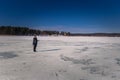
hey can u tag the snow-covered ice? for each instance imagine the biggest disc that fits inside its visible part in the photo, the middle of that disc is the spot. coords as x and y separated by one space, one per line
60 58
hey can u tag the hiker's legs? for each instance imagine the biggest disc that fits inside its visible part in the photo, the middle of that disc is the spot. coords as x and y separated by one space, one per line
34 49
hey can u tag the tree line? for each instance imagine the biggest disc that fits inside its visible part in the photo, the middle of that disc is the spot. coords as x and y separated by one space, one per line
16 30
97 34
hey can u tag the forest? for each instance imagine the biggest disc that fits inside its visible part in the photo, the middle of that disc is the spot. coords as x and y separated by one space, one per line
16 30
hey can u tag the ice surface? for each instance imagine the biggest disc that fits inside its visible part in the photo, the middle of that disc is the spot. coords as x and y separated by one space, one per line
60 58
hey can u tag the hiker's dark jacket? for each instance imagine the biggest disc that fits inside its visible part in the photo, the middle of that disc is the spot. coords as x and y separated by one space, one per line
35 41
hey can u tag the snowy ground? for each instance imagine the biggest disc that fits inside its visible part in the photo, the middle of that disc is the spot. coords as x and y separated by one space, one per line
60 58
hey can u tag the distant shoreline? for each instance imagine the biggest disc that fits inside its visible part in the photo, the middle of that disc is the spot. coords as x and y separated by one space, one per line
97 34
75 35
25 31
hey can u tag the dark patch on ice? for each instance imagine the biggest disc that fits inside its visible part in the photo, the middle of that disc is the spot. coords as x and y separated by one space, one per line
114 45
96 47
82 50
118 61
56 74
83 79
50 50
78 45
3 44
95 70
113 76
7 55
24 63
62 71
77 61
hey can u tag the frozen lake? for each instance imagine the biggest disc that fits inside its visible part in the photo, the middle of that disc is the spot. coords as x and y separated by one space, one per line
60 58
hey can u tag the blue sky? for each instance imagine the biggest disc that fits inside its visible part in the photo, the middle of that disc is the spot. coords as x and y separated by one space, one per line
78 16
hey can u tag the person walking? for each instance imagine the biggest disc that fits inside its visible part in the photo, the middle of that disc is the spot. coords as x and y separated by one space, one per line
35 41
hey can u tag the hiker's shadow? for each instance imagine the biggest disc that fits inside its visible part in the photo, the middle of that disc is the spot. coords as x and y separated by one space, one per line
47 50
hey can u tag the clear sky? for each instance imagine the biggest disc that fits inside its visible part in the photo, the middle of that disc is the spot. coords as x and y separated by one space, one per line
78 16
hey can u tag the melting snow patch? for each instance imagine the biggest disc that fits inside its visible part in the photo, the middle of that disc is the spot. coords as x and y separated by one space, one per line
7 55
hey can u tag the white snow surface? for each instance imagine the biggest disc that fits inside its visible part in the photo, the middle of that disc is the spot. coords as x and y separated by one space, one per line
60 58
